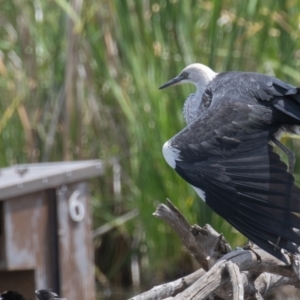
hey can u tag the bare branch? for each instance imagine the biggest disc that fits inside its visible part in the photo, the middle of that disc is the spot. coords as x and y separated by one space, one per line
205 244
206 284
236 280
240 274
296 264
171 288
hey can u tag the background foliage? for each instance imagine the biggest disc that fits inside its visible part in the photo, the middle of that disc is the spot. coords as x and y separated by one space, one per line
79 80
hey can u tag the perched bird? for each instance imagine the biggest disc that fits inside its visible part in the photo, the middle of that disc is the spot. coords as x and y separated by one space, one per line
10 295
200 75
225 152
46 295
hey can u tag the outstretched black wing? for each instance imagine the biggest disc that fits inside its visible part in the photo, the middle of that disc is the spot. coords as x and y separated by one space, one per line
226 154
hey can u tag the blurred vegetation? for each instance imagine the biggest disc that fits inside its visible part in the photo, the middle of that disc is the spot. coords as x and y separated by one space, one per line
79 80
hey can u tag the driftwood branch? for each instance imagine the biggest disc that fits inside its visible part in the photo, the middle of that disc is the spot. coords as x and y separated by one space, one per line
236 280
239 274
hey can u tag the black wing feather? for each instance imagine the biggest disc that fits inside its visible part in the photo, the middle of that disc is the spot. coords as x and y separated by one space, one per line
245 182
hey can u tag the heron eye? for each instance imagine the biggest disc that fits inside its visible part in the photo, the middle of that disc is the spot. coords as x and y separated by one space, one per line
184 75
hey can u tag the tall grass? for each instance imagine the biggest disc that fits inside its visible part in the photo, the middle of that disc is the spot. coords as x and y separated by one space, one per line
79 80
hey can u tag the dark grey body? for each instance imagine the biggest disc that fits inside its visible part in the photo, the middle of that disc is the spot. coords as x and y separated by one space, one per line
10 295
46 295
226 154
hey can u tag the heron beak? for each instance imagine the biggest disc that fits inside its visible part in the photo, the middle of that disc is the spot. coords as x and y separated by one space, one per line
171 82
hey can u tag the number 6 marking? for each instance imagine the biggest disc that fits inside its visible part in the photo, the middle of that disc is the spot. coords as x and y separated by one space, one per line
76 207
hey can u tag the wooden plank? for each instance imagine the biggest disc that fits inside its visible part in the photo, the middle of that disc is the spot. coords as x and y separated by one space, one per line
29 235
2 240
24 179
75 244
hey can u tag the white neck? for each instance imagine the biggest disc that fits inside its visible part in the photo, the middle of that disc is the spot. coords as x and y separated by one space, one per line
204 77
191 108
200 90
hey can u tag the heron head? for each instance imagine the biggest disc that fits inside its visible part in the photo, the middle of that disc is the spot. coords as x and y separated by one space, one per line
197 74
